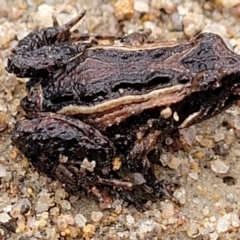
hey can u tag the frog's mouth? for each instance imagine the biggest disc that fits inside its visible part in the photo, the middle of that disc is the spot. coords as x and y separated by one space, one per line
33 101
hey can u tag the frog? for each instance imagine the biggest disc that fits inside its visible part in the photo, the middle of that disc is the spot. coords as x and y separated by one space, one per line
98 115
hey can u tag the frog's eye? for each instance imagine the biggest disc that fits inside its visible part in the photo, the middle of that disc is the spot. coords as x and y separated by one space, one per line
184 79
231 60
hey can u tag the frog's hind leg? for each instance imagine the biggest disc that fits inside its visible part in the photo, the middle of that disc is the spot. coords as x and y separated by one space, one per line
51 139
75 178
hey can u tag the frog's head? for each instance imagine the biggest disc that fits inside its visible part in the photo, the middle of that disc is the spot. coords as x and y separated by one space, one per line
216 78
215 69
212 63
33 101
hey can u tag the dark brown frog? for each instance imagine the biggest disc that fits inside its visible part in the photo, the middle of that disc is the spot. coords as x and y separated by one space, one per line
98 115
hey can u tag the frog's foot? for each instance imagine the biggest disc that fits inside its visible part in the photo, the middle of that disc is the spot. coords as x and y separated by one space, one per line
165 190
136 38
114 182
73 180
133 199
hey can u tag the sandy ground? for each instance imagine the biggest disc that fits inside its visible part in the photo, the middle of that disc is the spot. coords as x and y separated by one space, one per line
33 206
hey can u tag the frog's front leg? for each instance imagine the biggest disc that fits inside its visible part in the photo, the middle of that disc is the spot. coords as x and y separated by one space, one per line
137 158
45 50
139 162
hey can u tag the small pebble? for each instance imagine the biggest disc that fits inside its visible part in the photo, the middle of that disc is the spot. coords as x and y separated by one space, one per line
123 9
96 216
80 220
195 200
168 141
212 219
45 215
138 179
193 175
21 207
141 6
192 24
60 194
213 236
222 225
219 166
205 211
4 217
130 219
198 154
21 225
88 231
235 221
229 137
180 195
182 10
118 209
117 163
218 136
54 211
188 134
42 223
145 226
174 162
193 230
44 202
231 197
221 148
66 226
88 165
3 171
167 210
229 3
7 33
209 143
44 15
168 6
166 112
65 204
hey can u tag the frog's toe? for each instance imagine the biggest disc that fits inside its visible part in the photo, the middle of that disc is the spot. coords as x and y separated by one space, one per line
165 190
